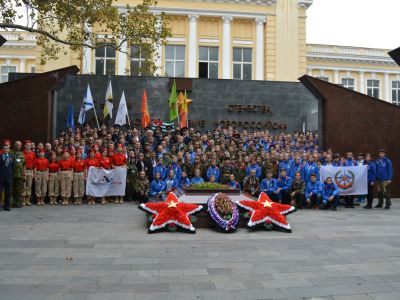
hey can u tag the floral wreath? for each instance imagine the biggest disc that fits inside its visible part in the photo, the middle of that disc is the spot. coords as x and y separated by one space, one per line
223 211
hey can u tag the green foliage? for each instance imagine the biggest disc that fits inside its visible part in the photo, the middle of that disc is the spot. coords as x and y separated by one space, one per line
67 23
208 186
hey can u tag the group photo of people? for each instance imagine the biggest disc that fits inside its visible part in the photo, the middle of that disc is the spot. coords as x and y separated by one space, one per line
161 160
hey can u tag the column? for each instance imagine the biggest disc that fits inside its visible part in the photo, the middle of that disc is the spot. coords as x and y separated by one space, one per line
87 55
309 71
260 48
158 50
192 46
362 82
22 62
226 47
122 58
336 76
387 87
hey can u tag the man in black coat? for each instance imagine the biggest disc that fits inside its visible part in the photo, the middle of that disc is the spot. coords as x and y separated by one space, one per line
6 167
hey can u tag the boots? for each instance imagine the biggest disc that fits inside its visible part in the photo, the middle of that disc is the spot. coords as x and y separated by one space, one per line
51 201
79 201
103 200
23 201
28 201
121 200
388 200
380 200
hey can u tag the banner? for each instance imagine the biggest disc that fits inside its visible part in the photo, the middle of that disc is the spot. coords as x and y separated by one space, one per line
103 183
349 180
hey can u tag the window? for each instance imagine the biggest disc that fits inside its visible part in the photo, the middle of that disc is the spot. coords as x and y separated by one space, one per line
175 61
208 62
348 83
324 78
373 88
4 70
242 63
396 92
105 60
33 69
138 62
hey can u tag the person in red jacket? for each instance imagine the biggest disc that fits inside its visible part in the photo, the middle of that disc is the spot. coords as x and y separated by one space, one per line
53 186
41 177
66 177
91 161
78 184
118 160
28 175
105 163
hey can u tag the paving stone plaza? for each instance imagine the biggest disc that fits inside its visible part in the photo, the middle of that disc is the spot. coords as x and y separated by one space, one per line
104 252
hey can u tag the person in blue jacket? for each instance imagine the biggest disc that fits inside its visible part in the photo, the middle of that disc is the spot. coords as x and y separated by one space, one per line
349 162
232 183
371 180
330 195
313 192
174 166
253 166
268 186
157 187
287 165
283 184
310 168
384 174
171 183
197 179
297 166
213 170
159 168
184 182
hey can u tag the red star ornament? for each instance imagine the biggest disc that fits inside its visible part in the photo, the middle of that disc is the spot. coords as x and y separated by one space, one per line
171 212
266 210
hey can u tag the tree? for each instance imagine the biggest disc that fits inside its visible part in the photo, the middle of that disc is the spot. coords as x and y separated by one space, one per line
59 24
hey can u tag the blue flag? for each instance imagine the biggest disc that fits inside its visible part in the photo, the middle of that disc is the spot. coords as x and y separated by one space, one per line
70 118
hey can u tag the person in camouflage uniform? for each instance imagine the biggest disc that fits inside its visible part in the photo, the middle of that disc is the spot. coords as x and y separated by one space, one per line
142 187
297 191
226 171
18 173
132 176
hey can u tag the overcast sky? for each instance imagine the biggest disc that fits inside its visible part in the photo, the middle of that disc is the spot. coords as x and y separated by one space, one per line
364 23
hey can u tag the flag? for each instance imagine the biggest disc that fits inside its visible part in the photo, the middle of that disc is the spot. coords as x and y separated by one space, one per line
70 118
173 107
145 111
108 104
184 111
87 104
122 112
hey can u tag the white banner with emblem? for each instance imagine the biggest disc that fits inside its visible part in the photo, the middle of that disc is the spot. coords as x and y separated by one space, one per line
349 180
104 183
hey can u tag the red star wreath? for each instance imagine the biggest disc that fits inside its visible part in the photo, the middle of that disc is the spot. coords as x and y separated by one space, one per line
265 210
171 212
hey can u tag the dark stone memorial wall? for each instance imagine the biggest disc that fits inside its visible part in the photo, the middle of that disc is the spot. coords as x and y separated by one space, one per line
252 105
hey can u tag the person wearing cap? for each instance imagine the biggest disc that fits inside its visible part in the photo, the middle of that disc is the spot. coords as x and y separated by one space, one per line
142 187
78 184
297 191
28 176
269 186
330 195
105 163
371 180
313 193
41 177
384 174
53 185
118 160
92 161
18 173
66 178
283 185
6 175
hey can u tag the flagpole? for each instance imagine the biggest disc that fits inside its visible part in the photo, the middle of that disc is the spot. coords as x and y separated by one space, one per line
129 122
95 115
179 122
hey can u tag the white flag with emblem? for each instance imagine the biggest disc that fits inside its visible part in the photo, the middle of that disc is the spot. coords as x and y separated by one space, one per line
349 180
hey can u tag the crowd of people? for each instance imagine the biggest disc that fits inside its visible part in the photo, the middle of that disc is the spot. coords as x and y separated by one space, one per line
285 166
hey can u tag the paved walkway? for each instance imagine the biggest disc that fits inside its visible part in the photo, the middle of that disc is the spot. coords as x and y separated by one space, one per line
104 252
